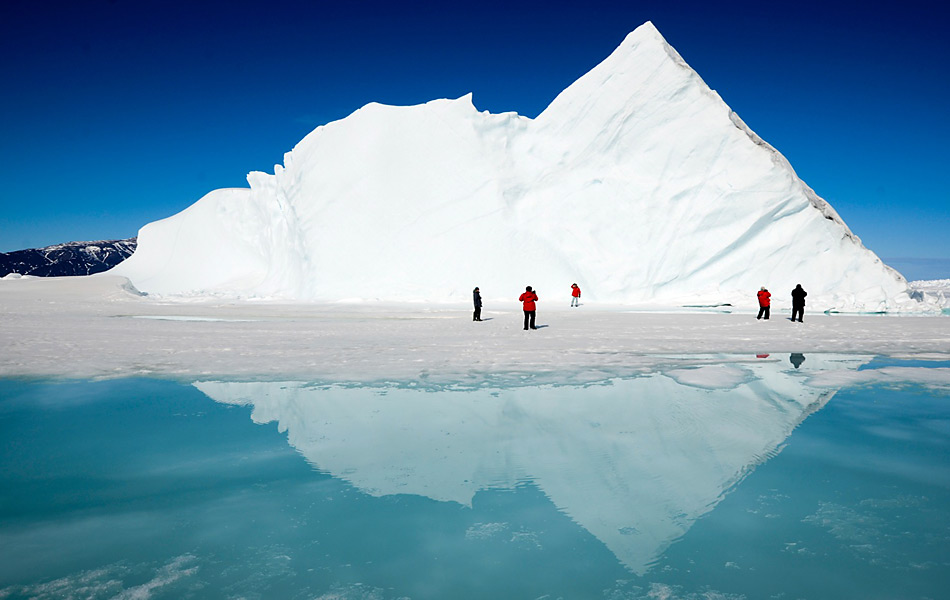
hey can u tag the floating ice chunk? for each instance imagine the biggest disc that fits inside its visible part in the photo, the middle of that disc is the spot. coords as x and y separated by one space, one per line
712 377
936 377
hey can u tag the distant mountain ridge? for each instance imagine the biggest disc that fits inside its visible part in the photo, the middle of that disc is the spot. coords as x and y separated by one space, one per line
69 259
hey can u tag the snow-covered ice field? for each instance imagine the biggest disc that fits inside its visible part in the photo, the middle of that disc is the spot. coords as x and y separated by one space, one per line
93 327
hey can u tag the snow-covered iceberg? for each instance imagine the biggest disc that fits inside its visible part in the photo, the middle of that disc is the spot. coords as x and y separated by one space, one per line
638 182
635 461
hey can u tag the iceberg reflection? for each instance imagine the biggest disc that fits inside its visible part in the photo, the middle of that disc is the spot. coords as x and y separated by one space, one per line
633 461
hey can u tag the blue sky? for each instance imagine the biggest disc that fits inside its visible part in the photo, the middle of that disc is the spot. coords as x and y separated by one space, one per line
117 113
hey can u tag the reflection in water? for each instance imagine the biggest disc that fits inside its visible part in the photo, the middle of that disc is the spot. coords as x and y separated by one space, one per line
796 359
634 461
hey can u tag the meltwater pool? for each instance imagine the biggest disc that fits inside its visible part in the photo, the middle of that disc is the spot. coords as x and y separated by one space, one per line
782 476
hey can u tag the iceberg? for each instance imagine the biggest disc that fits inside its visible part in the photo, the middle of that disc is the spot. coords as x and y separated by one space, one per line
637 182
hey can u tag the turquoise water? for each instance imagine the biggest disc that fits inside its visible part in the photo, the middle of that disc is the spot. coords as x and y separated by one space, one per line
728 481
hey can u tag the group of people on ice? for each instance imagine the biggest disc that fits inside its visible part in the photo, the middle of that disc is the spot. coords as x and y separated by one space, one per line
798 303
528 299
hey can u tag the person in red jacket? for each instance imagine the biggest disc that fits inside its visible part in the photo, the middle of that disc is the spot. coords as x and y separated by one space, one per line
764 303
529 298
575 295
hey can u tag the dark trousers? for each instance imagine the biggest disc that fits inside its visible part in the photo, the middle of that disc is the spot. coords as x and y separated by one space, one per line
763 310
478 314
529 316
800 311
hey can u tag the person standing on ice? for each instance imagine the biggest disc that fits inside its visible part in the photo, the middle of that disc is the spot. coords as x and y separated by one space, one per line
764 303
575 295
529 298
477 299
798 302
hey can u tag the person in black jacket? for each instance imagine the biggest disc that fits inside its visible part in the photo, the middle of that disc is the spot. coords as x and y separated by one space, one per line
477 298
798 302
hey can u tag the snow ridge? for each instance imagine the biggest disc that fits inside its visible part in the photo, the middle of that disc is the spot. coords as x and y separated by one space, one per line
637 182
934 292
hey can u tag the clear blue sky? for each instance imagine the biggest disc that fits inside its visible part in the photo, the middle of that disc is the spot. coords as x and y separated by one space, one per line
117 113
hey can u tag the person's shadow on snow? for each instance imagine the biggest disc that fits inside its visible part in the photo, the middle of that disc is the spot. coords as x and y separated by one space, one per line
541 326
